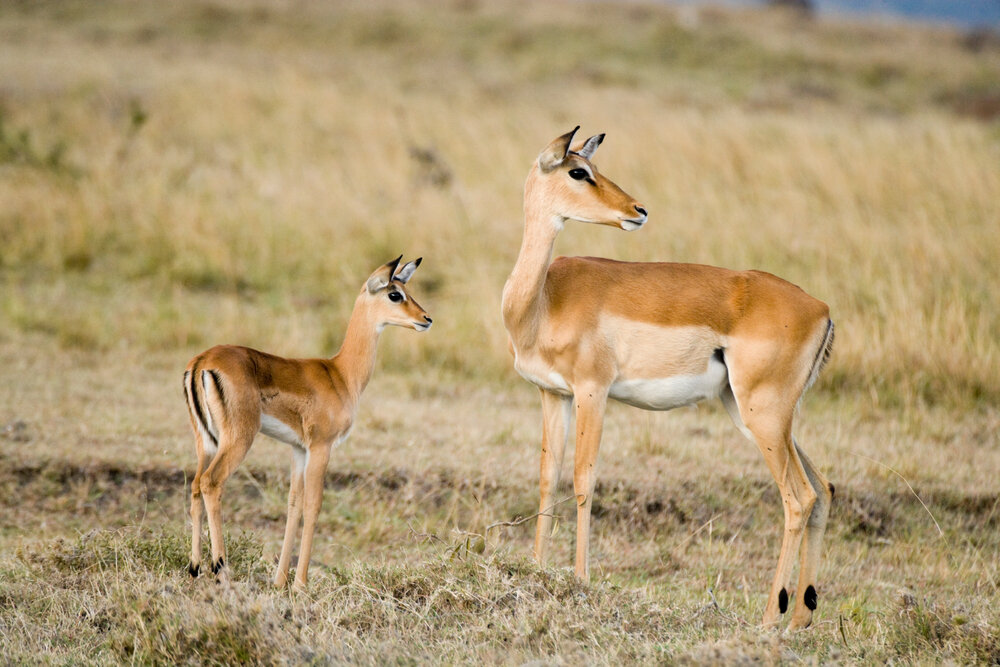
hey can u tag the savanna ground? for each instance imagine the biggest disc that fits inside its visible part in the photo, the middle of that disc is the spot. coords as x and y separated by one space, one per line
173 175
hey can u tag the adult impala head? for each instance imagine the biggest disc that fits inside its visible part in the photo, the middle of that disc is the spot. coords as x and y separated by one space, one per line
385 294
567 186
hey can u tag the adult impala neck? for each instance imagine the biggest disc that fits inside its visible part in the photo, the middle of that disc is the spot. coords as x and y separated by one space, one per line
356 358
523 295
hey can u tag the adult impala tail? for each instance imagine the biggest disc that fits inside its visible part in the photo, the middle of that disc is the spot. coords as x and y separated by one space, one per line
658 336
235 392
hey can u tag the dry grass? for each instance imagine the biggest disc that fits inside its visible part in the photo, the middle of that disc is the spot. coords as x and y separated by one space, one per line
275 155
176 175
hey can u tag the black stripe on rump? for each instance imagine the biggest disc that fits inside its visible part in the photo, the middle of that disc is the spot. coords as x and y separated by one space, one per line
218 384
825 349
197 405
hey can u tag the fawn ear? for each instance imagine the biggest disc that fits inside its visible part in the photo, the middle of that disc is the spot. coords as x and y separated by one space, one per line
405 273
382 275
590 147
555 153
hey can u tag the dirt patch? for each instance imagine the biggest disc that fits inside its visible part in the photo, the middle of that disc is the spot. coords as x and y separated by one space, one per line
866 513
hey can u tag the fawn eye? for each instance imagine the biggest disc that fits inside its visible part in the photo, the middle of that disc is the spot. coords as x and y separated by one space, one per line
578 174
395 297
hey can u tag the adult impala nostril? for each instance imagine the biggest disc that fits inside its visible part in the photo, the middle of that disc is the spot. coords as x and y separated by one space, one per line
641 210
429 320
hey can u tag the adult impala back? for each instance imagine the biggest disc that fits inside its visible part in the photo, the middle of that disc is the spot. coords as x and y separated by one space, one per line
234 392
659 336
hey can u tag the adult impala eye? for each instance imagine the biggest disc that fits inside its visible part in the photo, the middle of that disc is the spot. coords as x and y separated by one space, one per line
395 297
578 174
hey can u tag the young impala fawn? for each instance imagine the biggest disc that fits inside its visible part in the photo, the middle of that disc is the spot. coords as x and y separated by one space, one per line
658 336
235 392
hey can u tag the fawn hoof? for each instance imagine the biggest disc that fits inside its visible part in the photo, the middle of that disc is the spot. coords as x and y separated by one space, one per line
220 571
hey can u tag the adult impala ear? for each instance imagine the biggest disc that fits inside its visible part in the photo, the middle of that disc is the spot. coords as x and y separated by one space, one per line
591 146
382 275
405 273
556 152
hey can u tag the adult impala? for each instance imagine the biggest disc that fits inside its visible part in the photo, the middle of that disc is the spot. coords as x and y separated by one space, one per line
234 392
659 336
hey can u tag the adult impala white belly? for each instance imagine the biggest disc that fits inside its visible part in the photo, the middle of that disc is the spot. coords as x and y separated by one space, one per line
664 367
672 392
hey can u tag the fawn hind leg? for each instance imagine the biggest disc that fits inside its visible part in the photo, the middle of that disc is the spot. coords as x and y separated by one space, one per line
194 565
232 450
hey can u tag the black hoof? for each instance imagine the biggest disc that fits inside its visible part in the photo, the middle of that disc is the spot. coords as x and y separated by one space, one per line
783 601
217 566
193 570
810 597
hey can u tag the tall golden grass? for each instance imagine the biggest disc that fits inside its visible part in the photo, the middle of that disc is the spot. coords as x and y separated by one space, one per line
204 172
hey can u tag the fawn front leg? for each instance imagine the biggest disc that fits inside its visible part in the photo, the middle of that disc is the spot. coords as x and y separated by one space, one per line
295 488
319 456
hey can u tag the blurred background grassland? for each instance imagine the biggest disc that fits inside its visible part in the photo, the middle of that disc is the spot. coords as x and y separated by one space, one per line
174 175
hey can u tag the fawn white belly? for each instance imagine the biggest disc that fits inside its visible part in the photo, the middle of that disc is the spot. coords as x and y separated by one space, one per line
671 392
279 430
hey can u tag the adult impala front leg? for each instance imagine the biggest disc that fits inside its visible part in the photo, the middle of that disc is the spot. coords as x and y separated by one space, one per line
555 428
589 403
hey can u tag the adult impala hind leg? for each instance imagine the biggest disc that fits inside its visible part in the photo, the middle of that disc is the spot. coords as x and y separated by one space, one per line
765 416
805 601
556 411
772 433
295 488
590 404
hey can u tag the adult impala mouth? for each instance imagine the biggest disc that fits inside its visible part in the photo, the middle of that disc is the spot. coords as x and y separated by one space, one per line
632 224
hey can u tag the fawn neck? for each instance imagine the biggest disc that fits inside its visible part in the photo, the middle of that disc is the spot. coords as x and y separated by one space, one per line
356 358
